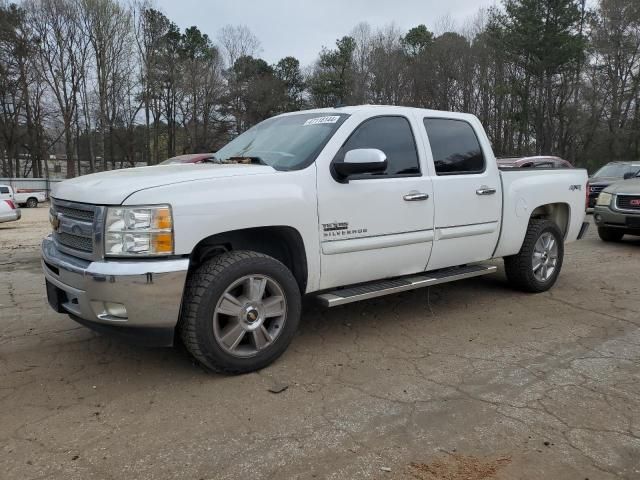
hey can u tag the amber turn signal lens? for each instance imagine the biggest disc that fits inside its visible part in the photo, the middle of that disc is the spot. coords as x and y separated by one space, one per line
162 243
162 218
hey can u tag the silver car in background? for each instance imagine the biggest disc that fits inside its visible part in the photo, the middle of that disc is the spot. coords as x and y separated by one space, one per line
9 211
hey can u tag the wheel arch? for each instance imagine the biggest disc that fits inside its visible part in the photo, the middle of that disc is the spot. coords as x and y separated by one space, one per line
559 213
281 242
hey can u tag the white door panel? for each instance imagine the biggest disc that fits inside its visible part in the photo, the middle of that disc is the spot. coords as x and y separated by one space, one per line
466 230
373 243
460 251
458 201
372 216
468 205
378 226
360 266
377 206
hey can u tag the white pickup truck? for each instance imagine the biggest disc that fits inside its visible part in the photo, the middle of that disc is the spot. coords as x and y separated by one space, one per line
24 198
343 204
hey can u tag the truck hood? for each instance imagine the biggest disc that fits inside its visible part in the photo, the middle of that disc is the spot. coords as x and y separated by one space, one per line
603 180
113 187
631 186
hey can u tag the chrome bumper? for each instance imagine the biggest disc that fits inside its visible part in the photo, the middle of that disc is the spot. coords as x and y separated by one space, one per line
137 298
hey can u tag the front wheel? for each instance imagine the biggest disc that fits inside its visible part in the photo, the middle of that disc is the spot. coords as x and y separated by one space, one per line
240 312
610 234
537 266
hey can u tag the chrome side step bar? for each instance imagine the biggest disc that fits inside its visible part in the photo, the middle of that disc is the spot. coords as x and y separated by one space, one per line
380 288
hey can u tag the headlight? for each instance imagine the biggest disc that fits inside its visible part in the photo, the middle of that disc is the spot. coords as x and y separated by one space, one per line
138 231
604 199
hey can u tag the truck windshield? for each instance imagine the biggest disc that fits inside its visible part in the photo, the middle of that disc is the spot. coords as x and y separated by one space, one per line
290 142
616 170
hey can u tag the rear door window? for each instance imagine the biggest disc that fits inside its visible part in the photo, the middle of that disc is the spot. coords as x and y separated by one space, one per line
455 146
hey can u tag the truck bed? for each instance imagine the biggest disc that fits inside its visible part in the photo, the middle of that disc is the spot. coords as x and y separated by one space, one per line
525 190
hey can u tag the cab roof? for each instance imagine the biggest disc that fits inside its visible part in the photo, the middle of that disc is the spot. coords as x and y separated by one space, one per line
385 109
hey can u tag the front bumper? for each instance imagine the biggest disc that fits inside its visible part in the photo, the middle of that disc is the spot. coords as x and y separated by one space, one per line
604 216
136 299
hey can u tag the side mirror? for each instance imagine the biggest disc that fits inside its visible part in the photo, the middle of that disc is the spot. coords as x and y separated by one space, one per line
361 160
628 175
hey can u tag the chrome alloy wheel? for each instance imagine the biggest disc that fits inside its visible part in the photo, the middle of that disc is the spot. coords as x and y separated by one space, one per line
249 315
545 257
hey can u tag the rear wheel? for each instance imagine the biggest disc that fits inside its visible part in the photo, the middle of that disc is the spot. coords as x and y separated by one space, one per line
32 202
537 266
240 312
610 234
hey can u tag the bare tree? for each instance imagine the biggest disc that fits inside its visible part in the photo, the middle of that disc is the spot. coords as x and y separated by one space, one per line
444 24
238 41
59 40
150 28
109 28
363 36
616 37
388 67
12 102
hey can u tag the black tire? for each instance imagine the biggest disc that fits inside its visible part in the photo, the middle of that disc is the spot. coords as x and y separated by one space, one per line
32 202
610 234
519 267
203 290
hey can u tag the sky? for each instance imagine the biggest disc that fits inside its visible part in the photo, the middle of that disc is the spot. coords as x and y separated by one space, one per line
302 27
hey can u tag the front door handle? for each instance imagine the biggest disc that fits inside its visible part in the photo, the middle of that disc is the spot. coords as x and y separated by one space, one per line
484 190
415 196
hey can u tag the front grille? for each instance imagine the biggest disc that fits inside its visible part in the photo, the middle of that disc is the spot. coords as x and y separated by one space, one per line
75 213
76 242
628 202
76 225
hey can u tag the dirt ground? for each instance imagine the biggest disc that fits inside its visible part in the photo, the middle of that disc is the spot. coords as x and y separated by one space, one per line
468 381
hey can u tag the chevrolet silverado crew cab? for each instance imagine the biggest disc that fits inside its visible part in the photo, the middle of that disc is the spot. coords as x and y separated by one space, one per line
343 204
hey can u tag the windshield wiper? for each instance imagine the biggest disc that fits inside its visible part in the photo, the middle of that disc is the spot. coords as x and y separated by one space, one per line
212 160
250 160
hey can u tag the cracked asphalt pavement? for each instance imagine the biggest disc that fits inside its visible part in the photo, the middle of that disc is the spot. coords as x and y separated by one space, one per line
469 380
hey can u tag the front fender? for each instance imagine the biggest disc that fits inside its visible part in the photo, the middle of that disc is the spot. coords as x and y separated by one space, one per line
203 208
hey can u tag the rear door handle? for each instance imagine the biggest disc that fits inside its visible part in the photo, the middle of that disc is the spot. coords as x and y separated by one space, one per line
484 190
415 196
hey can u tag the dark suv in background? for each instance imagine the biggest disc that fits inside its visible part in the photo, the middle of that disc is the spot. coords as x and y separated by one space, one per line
617 212
612 172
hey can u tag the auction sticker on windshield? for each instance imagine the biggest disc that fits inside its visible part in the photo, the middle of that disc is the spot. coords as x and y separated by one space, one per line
319 120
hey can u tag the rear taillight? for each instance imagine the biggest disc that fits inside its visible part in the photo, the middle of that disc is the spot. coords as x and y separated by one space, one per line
11 204
586 196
